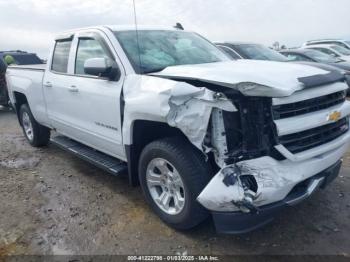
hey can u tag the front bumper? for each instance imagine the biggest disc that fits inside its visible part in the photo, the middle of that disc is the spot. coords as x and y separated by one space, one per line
274 179
239 222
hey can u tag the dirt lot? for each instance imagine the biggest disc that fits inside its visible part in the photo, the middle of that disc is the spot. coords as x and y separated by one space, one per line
53 203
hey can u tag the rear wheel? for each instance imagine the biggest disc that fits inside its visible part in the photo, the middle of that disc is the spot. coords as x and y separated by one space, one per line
36 134
172 174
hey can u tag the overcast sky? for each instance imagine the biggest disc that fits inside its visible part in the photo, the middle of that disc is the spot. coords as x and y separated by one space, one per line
31 24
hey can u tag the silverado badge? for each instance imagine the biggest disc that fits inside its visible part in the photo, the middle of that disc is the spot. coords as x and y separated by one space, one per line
334 116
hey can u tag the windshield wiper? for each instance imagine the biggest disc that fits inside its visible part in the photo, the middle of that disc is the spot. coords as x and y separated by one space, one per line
154 70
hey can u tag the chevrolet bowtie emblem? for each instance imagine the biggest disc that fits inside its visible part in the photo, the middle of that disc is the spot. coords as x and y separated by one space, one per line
334 116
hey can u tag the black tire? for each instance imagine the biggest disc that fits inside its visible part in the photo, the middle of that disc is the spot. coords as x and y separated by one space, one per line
195 173
41 134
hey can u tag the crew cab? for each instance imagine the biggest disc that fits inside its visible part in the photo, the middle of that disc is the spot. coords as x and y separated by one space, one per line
202 134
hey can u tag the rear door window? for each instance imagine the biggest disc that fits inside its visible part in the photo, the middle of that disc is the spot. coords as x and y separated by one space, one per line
61 56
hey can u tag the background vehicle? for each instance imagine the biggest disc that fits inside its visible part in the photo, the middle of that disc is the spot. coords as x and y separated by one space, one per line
261 52
202 134
310 55
21 57
333 50
343 43
240 50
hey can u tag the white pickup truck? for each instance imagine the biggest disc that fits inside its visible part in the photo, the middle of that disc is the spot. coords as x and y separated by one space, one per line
202 135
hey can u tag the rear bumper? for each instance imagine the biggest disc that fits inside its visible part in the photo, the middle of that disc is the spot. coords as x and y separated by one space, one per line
239 222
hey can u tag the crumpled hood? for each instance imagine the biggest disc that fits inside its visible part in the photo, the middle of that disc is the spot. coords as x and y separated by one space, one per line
250 77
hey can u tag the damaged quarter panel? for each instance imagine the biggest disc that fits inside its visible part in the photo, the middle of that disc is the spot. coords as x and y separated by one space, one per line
179 104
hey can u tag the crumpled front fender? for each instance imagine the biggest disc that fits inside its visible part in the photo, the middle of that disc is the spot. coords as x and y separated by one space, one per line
178 104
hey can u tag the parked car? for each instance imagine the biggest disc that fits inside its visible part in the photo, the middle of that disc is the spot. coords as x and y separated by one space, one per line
310 55
242 50
18 58
333 50
21 57
202 134
339 42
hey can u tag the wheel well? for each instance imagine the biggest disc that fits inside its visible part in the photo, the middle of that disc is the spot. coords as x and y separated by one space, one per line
143 133
20 100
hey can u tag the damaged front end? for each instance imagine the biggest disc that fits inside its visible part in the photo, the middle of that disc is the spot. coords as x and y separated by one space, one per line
248 133
256 180
271 147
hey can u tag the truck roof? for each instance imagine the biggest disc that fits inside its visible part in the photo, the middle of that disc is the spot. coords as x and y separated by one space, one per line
140 27
122 28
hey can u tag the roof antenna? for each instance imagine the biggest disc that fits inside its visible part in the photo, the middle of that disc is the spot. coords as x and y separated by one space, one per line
179 26
137 37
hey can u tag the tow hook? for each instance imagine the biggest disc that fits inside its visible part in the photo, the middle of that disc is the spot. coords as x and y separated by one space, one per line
233 176
246 205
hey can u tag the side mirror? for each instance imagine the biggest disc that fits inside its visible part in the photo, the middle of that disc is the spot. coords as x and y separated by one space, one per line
102 67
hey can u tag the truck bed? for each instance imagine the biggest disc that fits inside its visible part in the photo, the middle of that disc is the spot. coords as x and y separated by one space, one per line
28 80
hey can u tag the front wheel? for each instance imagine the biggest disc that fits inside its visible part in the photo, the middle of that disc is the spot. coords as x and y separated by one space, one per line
172 174
36 134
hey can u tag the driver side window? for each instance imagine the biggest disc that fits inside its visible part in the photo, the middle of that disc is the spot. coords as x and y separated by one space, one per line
89 48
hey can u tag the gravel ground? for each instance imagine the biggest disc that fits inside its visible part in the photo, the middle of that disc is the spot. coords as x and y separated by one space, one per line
53 203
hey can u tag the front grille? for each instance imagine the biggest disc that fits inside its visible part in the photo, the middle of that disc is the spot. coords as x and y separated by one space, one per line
308 106
311 138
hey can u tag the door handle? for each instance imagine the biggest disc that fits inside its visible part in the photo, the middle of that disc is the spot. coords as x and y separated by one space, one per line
73 89
48 84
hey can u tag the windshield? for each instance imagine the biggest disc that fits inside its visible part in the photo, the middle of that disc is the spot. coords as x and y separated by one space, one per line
260 52
159 49
341 50
321 57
